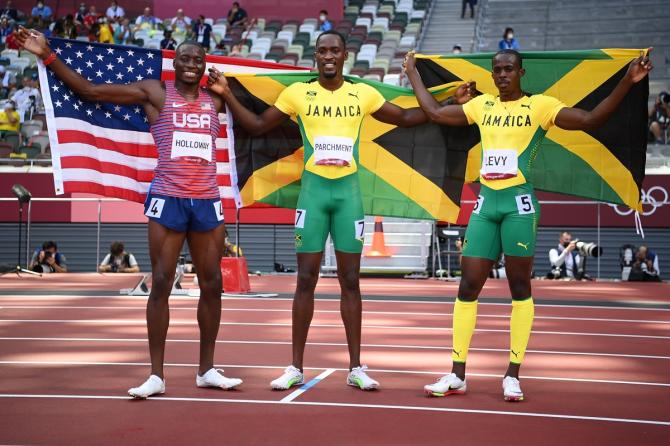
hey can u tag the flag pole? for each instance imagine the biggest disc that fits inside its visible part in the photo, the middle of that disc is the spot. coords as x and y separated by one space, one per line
237 231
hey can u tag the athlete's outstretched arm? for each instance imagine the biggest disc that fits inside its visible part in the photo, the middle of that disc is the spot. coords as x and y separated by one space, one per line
570 118
450 114
253 123
143 92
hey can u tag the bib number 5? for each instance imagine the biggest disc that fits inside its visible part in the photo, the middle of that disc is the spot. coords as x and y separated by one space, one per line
478 204
524 204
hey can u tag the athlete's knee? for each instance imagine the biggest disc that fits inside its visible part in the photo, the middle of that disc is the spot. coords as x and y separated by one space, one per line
349 282
468 291
161 282
520 289
210 282
307 281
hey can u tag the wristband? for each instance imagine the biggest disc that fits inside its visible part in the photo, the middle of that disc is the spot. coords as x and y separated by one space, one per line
49 59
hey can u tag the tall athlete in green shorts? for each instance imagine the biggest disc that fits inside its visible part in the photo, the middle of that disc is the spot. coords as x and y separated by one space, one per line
512 125
329 110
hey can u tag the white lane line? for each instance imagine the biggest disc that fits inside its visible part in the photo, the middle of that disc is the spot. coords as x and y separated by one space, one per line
355 406
538 303
391 313
278 324
305 387
282 367
336 344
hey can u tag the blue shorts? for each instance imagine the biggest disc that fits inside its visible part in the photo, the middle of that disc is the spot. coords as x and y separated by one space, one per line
184 214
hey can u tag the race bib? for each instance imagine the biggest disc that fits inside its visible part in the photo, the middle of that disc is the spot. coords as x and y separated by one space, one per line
333 151
524 204
499 164
192 145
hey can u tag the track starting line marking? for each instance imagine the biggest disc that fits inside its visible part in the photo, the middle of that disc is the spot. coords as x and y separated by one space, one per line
351 405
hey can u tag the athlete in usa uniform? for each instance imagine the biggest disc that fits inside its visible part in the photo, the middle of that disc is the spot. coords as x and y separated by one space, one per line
512 125
329 110
183 201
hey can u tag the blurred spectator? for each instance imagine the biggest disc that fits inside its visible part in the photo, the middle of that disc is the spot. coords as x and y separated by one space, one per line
40 15
645 267
471 4
236 50
105 32
659 118
28 99
6 28
237 16
498 270
48 259
180 23
123 34
115 13
324 23
91 17
7 81
168 43
10 41
9 118
69 27
230 249
9 11
202 32
147 20
456 49
508 41
564 259
118 261
80 14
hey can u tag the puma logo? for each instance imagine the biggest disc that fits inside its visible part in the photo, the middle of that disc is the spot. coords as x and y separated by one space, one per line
456 353
523 245
353 94
526 106
516 355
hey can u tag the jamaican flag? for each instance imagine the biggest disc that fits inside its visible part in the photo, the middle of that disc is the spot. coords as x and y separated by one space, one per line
605 164
403 172
419 172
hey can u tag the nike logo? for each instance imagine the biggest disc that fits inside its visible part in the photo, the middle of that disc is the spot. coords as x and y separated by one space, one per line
353 94
456 353
516 355
175 105
526 105
523 245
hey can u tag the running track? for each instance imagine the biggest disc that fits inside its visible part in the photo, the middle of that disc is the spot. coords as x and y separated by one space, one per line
597 370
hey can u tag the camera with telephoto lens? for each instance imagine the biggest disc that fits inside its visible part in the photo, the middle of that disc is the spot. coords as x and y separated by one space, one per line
588 249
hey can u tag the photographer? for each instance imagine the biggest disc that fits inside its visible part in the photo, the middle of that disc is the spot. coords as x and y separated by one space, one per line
28 98
48 259
564 259
645 267
659 118
118 261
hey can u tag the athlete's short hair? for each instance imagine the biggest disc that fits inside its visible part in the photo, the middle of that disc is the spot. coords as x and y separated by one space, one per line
190 42
514 53
332 33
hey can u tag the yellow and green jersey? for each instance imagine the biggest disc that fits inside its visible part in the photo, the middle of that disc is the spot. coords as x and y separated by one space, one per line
330 123
511 133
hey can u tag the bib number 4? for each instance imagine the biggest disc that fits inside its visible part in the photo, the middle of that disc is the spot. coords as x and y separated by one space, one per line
524 204
155 208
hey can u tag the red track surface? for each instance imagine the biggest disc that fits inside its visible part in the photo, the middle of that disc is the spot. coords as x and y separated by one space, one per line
592 375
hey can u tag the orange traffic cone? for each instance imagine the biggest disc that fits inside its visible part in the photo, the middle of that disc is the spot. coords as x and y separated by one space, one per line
378 248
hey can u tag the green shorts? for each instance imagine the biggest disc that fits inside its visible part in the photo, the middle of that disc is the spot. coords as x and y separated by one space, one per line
332 207
503 221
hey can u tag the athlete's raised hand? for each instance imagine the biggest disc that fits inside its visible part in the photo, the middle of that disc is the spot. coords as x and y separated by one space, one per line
217 83
465 92
33 41
409 65
639 68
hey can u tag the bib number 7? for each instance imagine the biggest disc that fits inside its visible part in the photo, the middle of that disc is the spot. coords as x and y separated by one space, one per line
524 204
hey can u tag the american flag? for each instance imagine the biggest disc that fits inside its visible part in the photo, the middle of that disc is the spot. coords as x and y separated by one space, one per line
106 149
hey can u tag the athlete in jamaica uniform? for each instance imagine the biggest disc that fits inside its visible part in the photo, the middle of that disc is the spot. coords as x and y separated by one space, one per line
184 201
512 125
329 111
